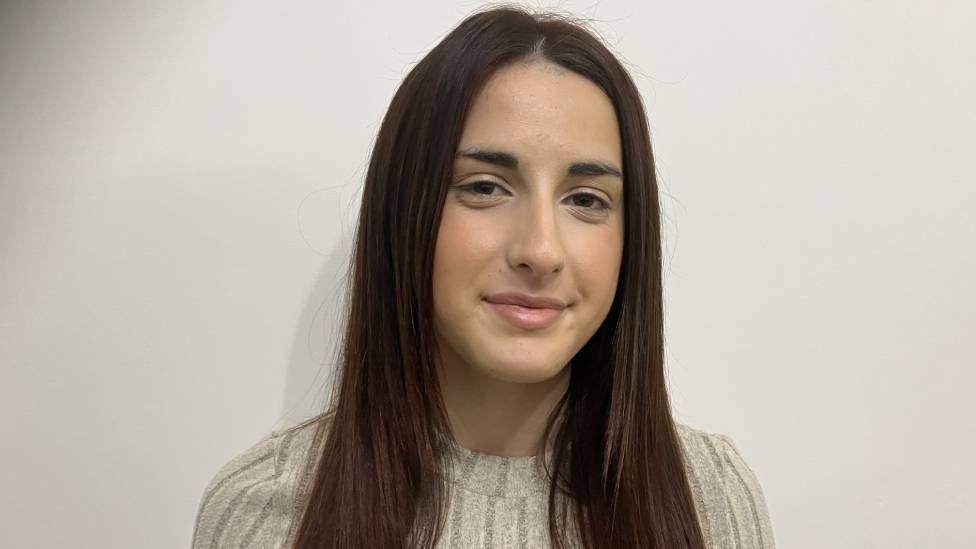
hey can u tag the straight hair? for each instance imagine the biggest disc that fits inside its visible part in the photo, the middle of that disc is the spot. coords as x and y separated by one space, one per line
375 474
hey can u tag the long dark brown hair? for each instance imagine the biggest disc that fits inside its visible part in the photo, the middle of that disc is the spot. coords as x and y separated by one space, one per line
376 470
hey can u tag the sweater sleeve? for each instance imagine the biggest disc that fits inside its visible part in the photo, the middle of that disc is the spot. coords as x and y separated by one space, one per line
235 508
749 516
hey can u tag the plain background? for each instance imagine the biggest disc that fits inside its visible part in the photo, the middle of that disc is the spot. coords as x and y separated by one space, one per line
179 182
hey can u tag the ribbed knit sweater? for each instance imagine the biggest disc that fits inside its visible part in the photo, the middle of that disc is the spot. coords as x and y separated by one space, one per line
495 502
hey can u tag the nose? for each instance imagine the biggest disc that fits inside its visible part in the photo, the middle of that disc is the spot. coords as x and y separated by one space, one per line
536 242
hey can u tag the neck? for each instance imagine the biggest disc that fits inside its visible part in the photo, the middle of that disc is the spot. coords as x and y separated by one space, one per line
496 416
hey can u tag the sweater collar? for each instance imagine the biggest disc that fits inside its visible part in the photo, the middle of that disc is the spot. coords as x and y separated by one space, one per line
498 476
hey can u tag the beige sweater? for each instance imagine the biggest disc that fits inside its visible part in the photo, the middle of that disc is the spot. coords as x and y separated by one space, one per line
496 502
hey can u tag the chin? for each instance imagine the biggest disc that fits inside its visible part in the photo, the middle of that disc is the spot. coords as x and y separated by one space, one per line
519 371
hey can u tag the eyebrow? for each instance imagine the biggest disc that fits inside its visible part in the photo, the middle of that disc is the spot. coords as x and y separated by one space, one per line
509 160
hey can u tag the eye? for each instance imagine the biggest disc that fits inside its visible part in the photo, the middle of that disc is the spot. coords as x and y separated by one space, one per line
589 198
476 188
484 188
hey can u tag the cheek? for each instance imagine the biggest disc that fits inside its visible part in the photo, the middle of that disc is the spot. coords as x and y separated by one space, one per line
597 256
465 243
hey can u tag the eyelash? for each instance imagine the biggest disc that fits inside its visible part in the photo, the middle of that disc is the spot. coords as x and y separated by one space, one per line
469 189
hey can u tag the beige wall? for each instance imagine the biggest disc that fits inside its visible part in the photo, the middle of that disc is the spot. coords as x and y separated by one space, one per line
178 185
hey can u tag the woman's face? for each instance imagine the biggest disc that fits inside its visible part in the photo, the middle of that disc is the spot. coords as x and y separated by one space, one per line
530 211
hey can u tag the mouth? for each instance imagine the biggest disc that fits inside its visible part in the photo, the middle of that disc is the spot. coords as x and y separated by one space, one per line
526 318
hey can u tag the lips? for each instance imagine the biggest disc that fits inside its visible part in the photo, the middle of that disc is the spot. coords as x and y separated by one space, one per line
526 300
526 318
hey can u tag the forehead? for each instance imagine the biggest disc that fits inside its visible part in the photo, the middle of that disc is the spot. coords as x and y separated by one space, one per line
544 112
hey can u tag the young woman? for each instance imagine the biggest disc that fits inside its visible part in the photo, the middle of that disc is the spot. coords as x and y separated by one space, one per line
502 372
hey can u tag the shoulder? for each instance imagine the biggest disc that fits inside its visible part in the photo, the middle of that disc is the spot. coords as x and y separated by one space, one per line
250 501
729 498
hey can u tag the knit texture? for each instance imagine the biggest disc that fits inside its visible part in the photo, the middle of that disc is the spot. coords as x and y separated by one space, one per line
495 502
